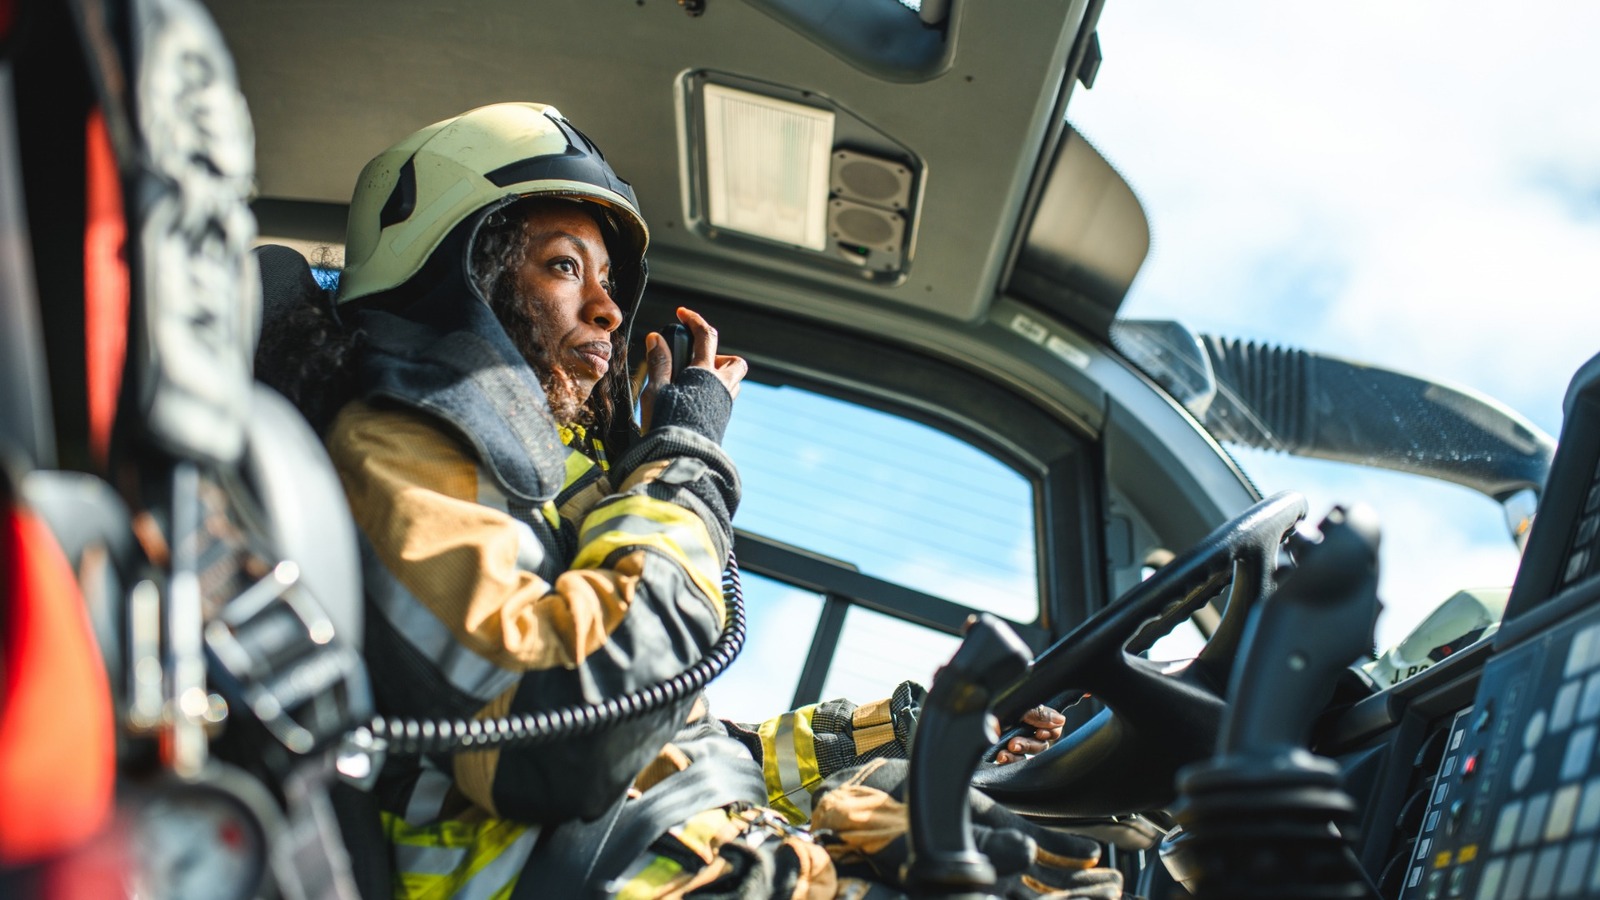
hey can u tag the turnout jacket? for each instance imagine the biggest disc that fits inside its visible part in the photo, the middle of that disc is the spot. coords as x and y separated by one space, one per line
506 572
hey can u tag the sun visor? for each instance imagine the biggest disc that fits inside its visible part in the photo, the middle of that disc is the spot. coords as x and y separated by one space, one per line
1088 237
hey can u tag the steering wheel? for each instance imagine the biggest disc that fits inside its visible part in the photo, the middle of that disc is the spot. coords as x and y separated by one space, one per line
1155 721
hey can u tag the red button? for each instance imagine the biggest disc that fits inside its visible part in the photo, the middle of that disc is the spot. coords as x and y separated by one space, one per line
1469 765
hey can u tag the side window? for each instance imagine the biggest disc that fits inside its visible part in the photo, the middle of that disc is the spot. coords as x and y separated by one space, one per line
780 623
904 522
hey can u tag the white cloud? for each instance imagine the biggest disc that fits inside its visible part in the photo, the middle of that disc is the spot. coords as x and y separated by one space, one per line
1434 155
1415 185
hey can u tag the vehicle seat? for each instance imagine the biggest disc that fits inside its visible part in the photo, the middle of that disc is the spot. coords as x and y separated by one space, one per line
311 524
307 518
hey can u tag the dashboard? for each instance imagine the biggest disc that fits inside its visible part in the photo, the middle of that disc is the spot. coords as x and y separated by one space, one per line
1480 777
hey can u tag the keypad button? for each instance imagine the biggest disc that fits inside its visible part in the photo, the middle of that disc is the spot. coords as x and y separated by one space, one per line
1565 706
1480 722
1546 866
1580 746
1589 807
1522 772
1517 876
1563 809
1505 827
1533 732
1533 820
1574 869
1578 654
1494 875
1589 701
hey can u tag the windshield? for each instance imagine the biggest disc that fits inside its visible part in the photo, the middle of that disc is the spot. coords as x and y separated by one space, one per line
1417 187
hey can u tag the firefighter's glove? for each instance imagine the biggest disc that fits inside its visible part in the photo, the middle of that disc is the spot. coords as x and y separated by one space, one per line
697 400
861 817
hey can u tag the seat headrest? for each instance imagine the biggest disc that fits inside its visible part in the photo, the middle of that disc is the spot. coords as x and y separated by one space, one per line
286 280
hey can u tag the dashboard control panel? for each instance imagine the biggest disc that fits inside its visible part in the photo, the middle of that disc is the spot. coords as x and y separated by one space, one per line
1514 813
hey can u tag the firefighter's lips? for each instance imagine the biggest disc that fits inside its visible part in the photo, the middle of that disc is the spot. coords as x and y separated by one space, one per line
596 356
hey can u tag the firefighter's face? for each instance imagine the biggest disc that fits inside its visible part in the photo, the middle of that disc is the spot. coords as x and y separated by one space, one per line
565 279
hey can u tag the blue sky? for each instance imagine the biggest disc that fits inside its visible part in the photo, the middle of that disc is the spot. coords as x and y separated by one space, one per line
1415 185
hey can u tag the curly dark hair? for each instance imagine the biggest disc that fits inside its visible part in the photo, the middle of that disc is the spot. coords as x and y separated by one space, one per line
303 352
308 358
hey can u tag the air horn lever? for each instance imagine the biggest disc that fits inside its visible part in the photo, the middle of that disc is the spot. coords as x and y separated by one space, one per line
1261 818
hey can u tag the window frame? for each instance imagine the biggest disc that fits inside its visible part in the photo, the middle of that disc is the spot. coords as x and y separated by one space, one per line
1061 462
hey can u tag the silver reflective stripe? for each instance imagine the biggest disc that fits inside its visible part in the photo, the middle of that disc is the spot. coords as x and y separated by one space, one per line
465 670
691 543
499 874
427 796
530 550
411 859
789 764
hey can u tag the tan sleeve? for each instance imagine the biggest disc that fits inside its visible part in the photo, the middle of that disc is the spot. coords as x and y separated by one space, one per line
414 490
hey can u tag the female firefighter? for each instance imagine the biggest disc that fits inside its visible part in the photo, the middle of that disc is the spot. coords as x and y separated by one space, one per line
526 546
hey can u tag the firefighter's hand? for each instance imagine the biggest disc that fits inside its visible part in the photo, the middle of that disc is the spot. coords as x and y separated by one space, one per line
730 370
1047 725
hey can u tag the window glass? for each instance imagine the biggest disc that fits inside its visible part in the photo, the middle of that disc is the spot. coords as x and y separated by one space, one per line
1183 642
877 652
780 621
898 499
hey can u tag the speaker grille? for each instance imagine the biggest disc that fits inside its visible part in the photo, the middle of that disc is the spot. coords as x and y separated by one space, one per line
867 235
855 223
871 179
864 226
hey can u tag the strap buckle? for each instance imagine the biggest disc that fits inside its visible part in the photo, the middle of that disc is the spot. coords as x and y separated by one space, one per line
278 648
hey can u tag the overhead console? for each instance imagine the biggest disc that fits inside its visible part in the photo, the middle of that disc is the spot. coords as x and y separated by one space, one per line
1513 808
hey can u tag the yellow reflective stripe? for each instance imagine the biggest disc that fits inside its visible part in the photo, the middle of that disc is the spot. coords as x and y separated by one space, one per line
550 514
585 486
421 860
497 875
652 873
578 466
464 668
647 878
789 763
637 521
454 860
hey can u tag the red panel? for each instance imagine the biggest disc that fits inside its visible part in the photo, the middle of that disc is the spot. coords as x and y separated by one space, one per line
57 744
106 287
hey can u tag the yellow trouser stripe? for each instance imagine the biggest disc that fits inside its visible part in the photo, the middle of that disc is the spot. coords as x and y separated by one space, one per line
653 874
456 860
789 763
646 881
